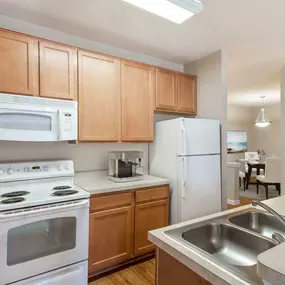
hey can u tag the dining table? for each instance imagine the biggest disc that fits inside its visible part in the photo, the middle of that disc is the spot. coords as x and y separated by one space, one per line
252 164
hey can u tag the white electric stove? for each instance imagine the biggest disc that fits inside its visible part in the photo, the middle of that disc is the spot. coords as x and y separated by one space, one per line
44 225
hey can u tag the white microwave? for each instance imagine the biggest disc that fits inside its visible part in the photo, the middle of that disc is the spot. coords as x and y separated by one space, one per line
24 118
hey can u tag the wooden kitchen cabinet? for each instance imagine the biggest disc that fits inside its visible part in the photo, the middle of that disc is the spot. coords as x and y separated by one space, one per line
58 71
137 87
119 225
110 237
170 271
18 64
187 93
99 97
149 216
166 89
175 92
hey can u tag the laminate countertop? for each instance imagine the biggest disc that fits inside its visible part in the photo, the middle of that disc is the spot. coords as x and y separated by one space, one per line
270 264
96 182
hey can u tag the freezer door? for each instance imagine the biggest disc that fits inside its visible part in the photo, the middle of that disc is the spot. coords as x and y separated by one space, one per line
199 136
199 186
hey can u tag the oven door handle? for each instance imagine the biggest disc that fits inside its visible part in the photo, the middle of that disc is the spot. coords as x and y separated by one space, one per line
44 209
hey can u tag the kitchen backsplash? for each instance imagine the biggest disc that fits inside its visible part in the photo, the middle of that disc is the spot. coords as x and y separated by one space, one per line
87 156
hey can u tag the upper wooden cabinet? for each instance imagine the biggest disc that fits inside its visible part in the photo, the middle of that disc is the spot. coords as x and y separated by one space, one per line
58 71
175 92
99 97
117 97
18 64
187 93
166 90
137 101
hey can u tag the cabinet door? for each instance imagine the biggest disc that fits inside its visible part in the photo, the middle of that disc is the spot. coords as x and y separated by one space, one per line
58 71
170 271
18 64
166 90
110 237
137 101
149 216
187 93
99 97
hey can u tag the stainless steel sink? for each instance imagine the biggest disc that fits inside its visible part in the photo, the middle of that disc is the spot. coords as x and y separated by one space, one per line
228 244
233 246
259 222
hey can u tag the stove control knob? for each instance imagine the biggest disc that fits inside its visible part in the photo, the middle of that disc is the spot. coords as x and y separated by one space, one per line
2 171
10 170
60 167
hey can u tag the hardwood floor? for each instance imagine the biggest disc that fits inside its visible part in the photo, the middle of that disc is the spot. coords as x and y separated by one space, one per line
243 202
139 274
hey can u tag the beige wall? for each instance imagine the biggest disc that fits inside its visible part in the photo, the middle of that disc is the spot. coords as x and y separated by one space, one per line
269 138
239 118
88 156
212 99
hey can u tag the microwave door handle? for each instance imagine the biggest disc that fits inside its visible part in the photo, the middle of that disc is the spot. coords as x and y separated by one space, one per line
59 127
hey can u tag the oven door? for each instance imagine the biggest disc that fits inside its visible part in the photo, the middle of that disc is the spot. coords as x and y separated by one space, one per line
37 240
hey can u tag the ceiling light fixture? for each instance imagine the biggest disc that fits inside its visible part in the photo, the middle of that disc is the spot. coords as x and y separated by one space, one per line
176 11
262 120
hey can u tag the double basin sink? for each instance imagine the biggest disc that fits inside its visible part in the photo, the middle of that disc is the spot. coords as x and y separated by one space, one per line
233 242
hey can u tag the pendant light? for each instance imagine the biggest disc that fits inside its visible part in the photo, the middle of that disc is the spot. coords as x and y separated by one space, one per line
262 120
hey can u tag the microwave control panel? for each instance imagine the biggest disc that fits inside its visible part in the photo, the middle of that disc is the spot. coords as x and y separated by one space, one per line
68 125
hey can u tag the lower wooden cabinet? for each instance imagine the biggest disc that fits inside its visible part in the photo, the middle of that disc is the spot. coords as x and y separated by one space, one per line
170 271
149 216
110 237
119 225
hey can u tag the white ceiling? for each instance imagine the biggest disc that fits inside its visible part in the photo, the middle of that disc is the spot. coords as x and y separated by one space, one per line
252 32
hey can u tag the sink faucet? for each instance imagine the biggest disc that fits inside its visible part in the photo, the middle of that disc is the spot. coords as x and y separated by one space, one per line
276 236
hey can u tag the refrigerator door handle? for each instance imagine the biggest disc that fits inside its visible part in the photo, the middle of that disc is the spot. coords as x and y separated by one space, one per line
183 137
183 186
183 183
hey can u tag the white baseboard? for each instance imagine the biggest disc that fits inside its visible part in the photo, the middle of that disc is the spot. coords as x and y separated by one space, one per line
233 202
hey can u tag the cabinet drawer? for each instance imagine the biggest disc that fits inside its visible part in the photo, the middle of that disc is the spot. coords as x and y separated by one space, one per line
110 201
152 194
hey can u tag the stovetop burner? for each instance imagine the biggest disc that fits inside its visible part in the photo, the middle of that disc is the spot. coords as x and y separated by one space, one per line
64 187
15 194
13 200
64 192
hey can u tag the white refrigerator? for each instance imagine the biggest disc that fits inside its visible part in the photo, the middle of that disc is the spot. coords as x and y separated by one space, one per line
187 152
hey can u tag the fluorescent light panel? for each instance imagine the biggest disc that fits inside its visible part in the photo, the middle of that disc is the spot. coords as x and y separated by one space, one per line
164 9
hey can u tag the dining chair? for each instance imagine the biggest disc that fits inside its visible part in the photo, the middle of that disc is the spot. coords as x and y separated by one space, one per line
272 175
242 179
251 155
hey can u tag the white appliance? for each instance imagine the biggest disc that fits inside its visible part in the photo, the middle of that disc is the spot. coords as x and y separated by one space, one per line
187 152
25 118
44 225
